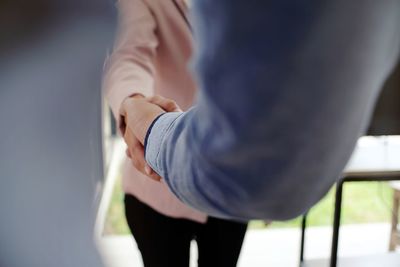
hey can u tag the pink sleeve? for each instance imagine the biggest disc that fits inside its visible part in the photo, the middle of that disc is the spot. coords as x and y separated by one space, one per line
130 68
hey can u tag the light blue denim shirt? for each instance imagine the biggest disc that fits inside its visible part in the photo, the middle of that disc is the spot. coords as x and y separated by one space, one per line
287 87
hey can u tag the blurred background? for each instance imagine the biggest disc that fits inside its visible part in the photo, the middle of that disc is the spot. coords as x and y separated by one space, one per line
60 157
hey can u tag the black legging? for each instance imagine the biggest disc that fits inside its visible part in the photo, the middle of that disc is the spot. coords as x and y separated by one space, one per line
164 241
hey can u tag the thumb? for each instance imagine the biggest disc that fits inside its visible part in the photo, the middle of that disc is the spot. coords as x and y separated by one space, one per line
165 103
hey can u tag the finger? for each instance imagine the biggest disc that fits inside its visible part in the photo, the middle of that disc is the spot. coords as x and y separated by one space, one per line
136 154
148 170
155 177
151 173
165 103
140 163
134 150
144 168
128 154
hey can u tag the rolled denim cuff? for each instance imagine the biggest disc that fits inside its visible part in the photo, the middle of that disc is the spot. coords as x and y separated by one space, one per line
155 137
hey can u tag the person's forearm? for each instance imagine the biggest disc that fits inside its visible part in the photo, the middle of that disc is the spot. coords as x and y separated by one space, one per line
130 68
287 91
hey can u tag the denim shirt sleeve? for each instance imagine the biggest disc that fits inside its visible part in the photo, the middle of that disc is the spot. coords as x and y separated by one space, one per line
154 138
286 90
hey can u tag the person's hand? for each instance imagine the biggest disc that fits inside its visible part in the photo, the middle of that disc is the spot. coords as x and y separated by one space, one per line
131 115
166 104
135 152
138 114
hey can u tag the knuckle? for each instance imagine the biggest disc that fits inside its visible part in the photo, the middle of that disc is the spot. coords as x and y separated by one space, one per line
171 104
135 162
155 98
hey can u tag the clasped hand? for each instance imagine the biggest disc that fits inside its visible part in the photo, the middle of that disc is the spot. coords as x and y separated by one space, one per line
137 114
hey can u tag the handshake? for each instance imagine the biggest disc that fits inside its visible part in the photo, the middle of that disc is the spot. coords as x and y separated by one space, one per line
137 114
